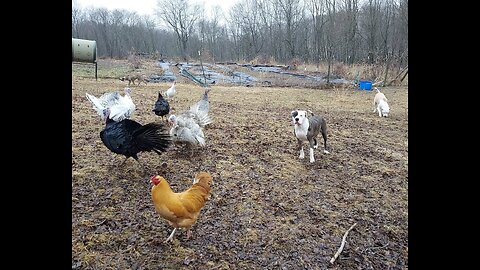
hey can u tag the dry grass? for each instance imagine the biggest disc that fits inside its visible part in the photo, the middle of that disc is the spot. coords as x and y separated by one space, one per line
111 68
373 73
268 208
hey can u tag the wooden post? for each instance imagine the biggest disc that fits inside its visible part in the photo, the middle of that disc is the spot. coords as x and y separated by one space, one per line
405 75
398 75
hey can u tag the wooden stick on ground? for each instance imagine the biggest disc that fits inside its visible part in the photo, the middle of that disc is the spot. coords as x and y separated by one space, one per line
342 245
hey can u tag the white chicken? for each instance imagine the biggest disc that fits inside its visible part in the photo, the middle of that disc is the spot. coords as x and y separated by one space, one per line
187 127
170 93
186 130
200 109
121 107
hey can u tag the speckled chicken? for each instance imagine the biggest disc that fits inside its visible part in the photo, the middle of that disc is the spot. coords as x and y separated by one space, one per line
203 105
185 130
199 111
187 127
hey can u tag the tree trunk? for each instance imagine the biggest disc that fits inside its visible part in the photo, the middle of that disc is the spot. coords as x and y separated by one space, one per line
387 64
329 63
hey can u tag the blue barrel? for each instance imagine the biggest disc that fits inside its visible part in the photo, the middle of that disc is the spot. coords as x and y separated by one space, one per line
366 85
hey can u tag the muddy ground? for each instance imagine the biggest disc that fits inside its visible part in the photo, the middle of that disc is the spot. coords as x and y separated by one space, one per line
268 208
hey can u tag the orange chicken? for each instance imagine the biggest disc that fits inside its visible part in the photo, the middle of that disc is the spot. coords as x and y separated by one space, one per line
181 210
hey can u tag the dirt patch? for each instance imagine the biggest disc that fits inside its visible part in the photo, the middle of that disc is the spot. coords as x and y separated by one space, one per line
268 209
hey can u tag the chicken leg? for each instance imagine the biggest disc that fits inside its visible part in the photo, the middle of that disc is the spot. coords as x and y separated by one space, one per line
171 236
189 234
144 168
124 161
142 165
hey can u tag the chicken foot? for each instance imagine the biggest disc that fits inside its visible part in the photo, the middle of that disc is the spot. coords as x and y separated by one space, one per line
171 236
142 165
124 161
189 234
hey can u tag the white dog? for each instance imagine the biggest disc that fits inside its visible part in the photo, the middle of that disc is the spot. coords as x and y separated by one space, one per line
307 129
380 104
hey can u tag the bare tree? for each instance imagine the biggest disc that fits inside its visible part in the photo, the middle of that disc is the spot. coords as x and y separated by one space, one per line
150 34
387 25
210 33
291 10
315 30
245 15
77 19
330 36
402 26
181 17
102 20
213 31
350 31
267 24
371 24
317 9
304 48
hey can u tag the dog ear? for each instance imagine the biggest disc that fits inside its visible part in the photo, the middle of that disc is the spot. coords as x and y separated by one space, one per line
294 113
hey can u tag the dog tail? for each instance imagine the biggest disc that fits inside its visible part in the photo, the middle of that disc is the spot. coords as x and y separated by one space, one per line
311 112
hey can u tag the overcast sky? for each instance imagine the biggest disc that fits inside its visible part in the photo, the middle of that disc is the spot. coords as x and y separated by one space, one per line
145 7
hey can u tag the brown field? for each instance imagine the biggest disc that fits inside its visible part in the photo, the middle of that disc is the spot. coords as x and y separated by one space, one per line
268 208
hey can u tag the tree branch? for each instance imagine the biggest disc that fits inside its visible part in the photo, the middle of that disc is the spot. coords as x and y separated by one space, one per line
344 239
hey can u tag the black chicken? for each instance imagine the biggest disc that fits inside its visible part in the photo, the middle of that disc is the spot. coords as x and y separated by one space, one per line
128 137
162 107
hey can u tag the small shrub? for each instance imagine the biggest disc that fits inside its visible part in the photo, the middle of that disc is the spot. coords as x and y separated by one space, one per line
206 56
295 63
134 60
340 69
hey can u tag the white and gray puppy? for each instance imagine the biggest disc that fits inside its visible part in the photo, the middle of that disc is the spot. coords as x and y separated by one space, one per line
380 104
307 129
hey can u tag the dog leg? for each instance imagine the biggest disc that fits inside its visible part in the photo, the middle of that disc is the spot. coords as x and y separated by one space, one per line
312 143
379 112
323 130
300 148
315 146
